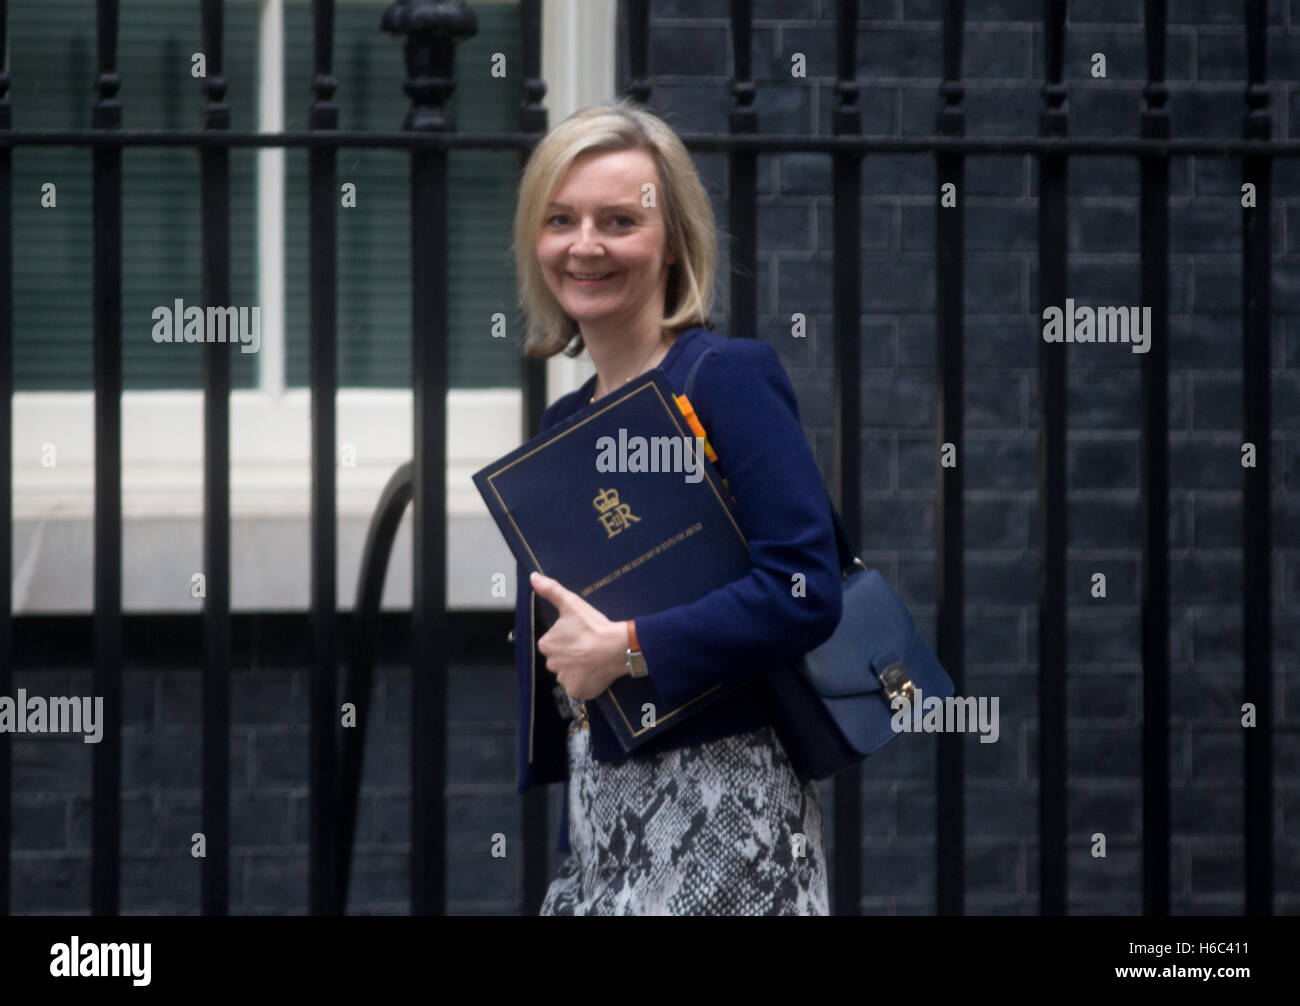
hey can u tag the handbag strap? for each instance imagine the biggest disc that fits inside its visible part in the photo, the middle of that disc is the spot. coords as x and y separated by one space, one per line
848 555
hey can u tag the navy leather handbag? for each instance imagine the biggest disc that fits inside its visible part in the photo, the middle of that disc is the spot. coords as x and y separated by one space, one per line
837 706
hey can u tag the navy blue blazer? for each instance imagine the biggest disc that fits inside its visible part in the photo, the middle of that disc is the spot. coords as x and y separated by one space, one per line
735 633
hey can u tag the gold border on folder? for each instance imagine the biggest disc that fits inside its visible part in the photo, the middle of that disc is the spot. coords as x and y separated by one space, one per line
675 415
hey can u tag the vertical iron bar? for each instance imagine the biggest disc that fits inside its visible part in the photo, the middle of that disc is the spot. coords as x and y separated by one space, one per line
214 172
638 46
431 32
950 894
1154 239
1257 428
533 119
846 296
6 455
325 894
1052 256
105 863
742 181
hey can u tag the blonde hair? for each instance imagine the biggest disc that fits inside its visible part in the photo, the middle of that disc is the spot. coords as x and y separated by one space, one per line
689 228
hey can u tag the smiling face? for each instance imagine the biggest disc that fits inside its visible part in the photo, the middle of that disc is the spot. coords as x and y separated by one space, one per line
601 251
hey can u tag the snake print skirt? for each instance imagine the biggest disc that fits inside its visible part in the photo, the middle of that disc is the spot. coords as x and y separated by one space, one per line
720 828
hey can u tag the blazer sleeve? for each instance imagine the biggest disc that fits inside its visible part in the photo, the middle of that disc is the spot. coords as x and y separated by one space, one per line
769 617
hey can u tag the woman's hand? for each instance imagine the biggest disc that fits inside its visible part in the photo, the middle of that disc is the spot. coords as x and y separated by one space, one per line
584 649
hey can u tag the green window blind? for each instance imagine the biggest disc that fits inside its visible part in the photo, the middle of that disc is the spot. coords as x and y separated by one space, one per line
52 56
374 238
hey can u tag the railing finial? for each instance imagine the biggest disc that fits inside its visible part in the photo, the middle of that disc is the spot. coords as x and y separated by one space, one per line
1259 122
532 113
743 117
848 117
216 113
323 83
1155 95
952 118
430 31
1054 114
107 113
638 45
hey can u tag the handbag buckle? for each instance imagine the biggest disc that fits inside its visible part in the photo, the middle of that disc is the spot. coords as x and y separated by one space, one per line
895 681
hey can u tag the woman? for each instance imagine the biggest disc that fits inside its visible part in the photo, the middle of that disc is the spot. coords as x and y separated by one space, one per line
616 247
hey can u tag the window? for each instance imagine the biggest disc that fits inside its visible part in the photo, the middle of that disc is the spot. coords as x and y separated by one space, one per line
374 239
53 75
52 52
268 52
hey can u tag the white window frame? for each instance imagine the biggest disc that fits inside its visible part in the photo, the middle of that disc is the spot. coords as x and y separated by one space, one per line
162 442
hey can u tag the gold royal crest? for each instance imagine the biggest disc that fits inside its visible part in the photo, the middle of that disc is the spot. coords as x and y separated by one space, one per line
615 516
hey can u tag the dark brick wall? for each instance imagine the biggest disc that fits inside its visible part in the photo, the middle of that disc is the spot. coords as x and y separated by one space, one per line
899 49
270 826
898 59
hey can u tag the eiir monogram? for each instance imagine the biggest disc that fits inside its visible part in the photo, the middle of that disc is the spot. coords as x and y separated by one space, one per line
615 516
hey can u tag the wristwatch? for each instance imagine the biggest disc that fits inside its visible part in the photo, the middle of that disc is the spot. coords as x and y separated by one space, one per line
635 661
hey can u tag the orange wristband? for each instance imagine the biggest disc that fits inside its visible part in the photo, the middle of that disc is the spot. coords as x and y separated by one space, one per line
632 644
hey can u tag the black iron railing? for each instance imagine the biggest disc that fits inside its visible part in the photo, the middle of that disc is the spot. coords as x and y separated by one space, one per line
430 33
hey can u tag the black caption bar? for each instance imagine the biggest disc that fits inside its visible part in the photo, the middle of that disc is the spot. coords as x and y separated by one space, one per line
132 954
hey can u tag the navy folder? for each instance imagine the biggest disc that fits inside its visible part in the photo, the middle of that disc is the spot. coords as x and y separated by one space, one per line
619 504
